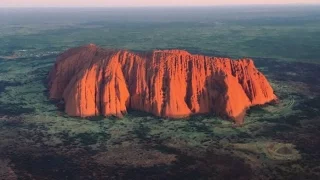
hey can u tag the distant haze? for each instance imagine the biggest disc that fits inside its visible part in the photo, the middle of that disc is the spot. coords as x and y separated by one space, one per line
130 3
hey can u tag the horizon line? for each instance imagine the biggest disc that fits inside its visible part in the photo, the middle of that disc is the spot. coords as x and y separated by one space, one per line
169 6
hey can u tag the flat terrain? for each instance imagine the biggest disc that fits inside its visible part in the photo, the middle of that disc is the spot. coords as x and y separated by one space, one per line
277 141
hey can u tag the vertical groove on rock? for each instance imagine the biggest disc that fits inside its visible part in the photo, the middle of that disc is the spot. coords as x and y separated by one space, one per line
189 97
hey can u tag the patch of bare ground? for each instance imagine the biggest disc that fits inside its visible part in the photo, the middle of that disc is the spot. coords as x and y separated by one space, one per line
6 172
11 120
14 56
134 155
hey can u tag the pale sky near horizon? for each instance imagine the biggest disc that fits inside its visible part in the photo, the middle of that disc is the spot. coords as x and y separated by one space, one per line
129 3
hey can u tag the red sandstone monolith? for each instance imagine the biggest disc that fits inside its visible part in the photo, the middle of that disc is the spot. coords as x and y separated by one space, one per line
169 83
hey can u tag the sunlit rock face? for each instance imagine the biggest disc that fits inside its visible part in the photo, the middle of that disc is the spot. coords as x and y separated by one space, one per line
168 83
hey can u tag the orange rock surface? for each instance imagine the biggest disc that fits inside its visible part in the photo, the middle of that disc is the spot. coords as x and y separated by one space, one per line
168 83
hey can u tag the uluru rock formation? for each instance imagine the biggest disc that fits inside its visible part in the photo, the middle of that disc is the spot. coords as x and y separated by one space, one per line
94 81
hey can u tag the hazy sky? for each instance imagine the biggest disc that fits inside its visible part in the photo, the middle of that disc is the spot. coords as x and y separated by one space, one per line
108 3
